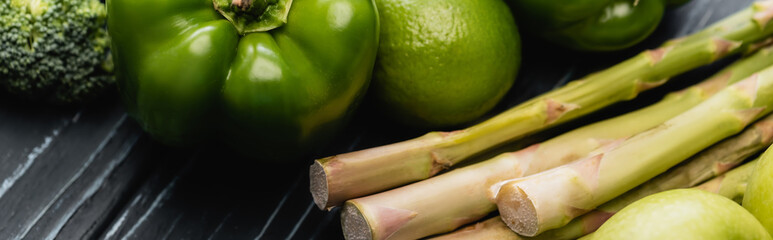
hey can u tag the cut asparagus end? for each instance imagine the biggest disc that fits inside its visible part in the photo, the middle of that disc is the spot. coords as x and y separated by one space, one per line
517 211
358 224
354 224
367 171
318 184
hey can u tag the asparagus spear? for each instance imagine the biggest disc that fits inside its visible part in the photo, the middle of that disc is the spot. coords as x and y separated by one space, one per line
492 228
345 176
548 200
467 186
709 163
731 185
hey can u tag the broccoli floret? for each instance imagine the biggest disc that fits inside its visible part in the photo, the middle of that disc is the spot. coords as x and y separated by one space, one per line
54 50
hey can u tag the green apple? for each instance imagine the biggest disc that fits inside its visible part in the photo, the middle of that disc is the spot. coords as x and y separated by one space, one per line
682 214
758 198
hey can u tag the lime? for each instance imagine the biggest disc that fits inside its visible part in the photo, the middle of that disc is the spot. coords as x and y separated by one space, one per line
444 62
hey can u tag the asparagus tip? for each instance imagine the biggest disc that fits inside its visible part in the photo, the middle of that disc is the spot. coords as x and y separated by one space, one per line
556 109
748 115
725 47
517 211
749 85
318 185
712 186
439 163
642 86
766 129
716 83
657 54
760 46
595 219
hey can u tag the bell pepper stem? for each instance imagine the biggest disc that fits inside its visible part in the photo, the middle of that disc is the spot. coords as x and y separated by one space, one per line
242 4
249 16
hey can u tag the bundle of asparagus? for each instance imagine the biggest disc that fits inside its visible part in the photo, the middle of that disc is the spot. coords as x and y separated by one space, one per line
682 214
731 185
338 178
550 199
412 211
453 199
710 163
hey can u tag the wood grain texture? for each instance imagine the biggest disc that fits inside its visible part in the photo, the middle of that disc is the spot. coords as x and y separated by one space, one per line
90 173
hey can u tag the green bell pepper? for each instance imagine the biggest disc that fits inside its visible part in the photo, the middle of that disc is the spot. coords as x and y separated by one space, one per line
271 78
591 25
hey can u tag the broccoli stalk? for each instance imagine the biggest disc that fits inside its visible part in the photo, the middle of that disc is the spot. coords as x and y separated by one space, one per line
54 50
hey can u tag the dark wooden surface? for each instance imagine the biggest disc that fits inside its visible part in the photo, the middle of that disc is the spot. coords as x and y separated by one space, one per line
89 172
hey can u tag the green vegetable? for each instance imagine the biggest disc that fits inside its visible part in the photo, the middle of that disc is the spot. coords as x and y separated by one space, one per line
711 162
54 50
345 176
492 228
590 25
275 81
682 214
730 185
550 199
469 185
444 62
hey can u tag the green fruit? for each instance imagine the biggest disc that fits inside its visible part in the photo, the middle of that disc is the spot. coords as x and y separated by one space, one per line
444 62
758 198
682 214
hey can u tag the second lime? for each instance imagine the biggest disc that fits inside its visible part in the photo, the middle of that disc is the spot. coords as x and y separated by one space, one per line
444 62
